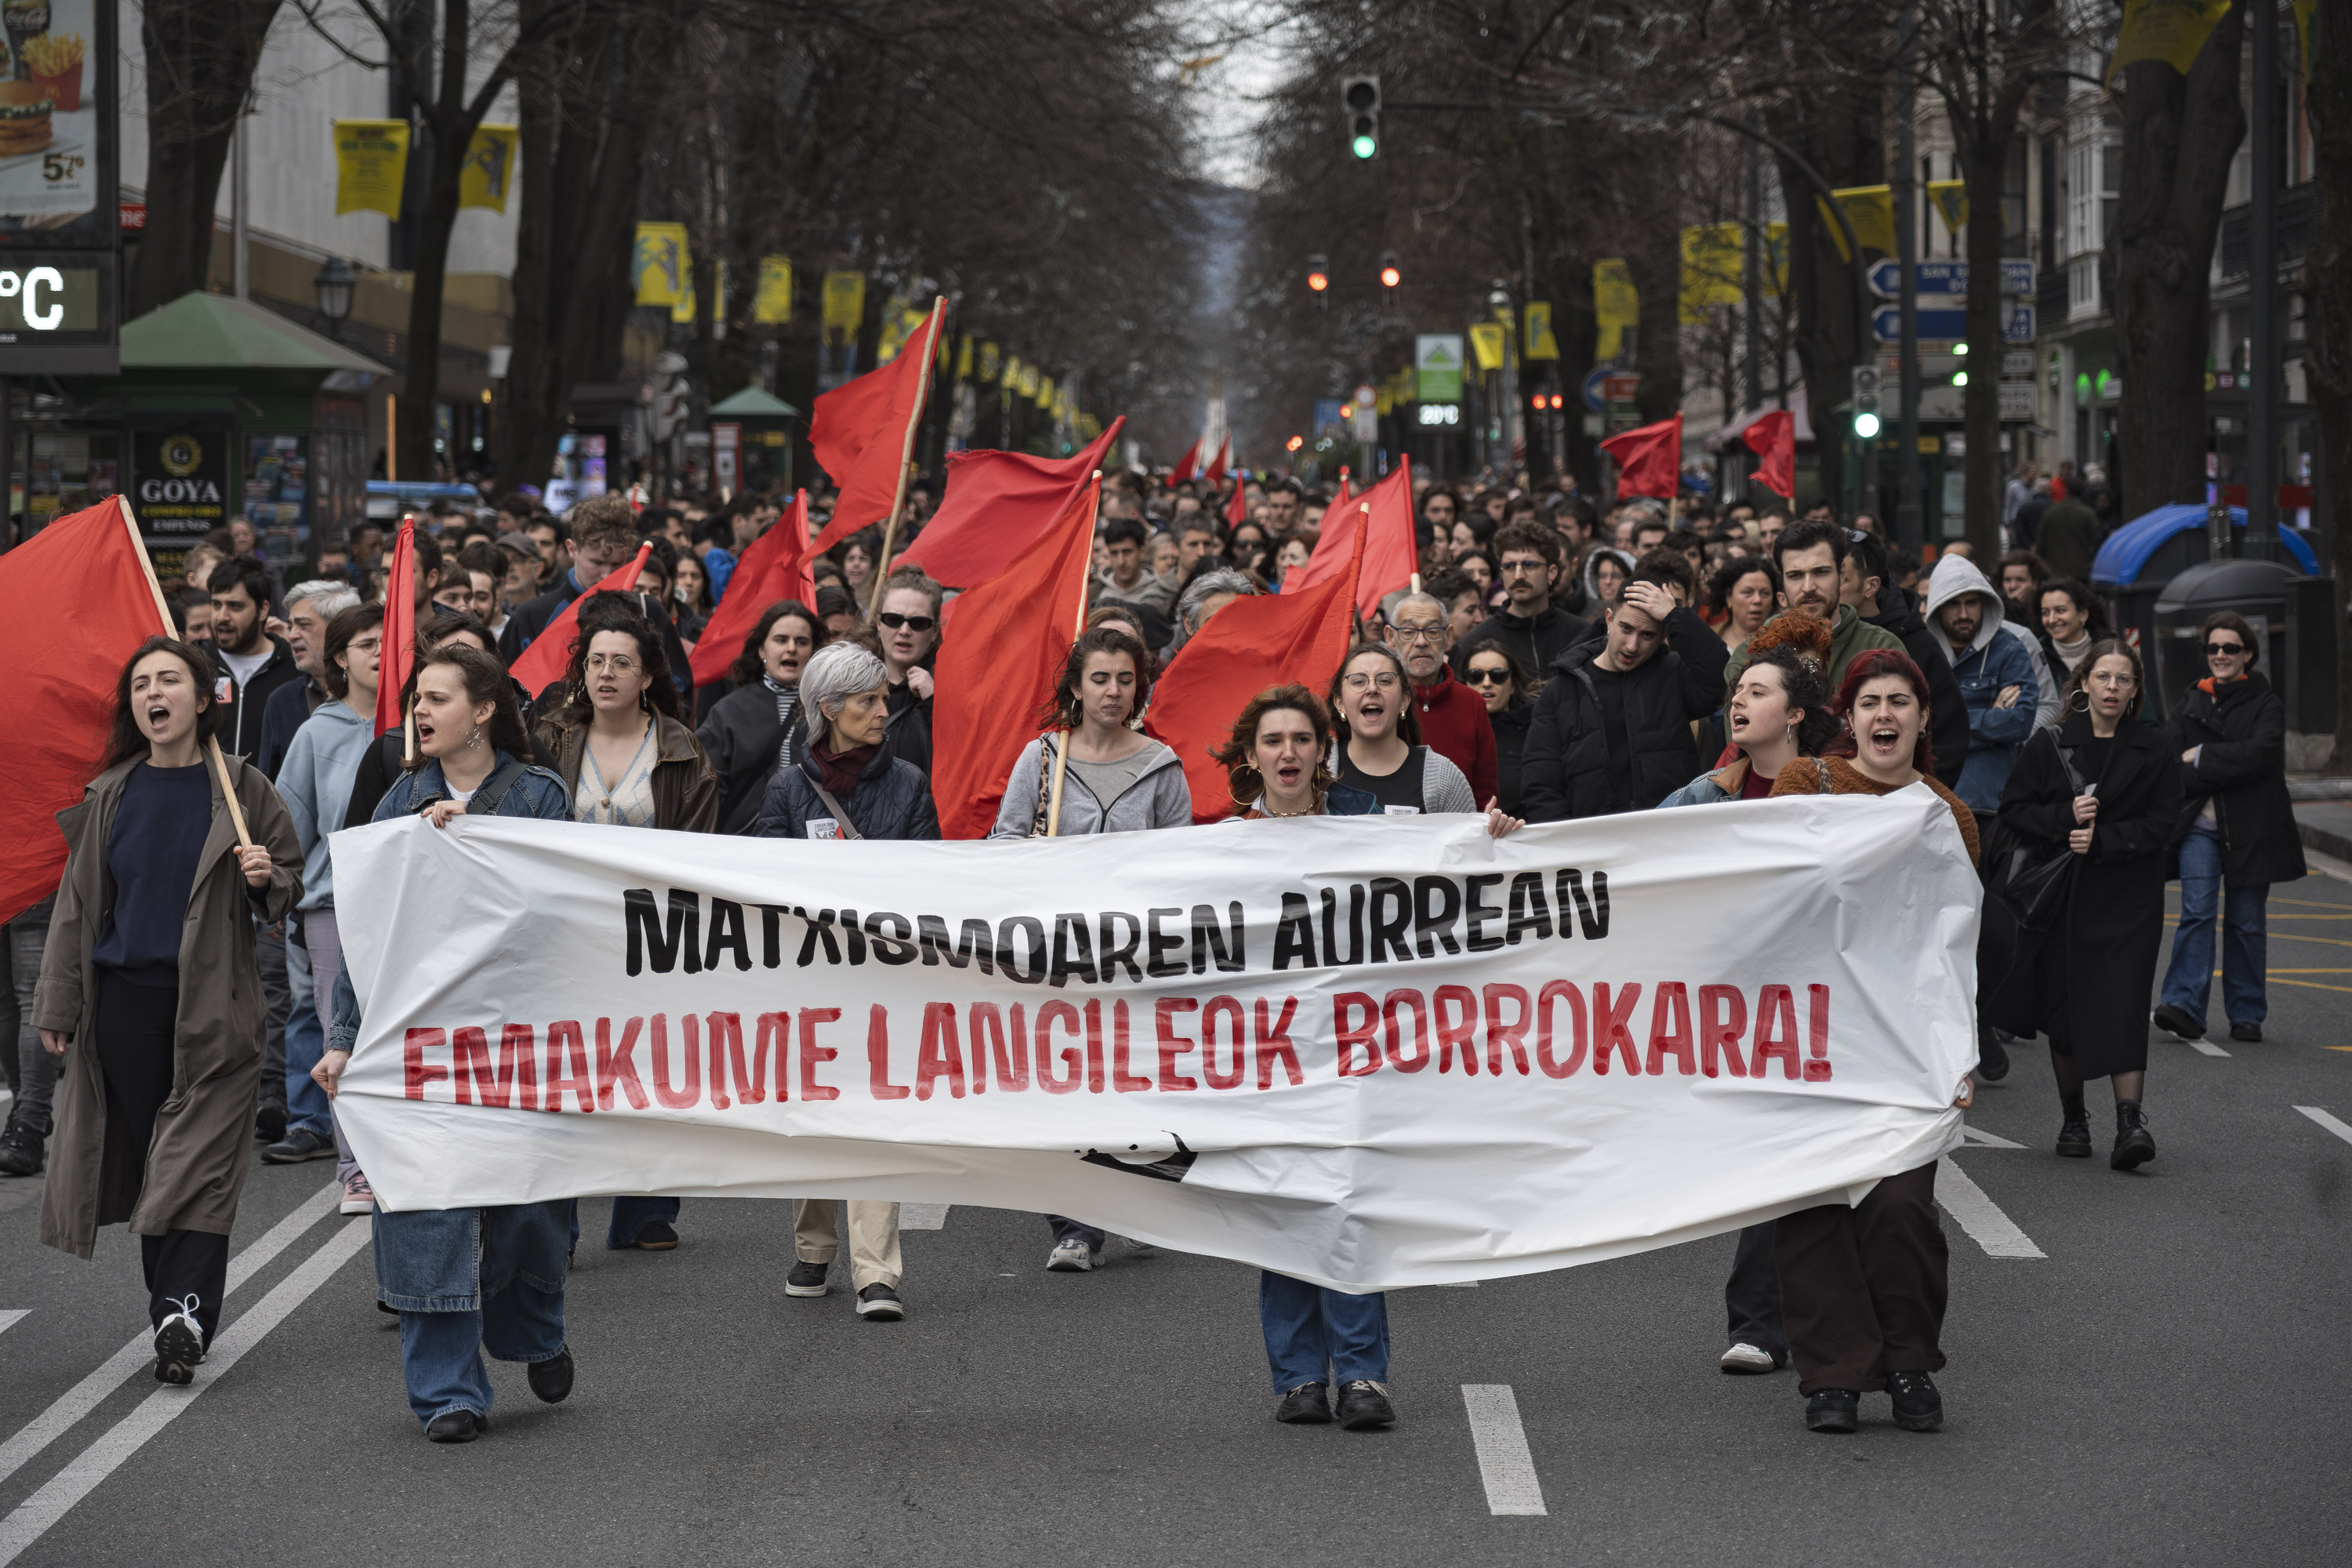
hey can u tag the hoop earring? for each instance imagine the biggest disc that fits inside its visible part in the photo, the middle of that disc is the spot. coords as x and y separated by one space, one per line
2079 701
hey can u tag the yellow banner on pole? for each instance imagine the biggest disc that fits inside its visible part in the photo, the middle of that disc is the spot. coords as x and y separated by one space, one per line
1871 210
1011 381
900 323
1951 199
1029 381
963 359
489 173
1616 305
2173 31
1714 264
991 361
659 267
2306 14
1487 344
771 302
844 301
1045 391
371 165
1537 341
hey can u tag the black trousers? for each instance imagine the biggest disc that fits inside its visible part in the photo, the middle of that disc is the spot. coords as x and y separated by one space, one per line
1751 1296
1862 1288
135 1027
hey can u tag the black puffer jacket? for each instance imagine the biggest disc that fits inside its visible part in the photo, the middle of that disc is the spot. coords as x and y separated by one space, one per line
892 800
745 740
1564 770
2240 767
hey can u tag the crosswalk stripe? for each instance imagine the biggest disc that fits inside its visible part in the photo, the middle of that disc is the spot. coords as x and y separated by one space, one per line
8 1319
1979 1215
1504 1465
923 1217
2332 1125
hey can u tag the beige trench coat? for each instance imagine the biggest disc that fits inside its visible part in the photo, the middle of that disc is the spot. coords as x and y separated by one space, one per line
191 1176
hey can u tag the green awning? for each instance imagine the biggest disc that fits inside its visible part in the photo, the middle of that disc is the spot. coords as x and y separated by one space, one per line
753 404
215 331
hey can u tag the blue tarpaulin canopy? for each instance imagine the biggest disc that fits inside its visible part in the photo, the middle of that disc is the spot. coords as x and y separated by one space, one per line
2127 549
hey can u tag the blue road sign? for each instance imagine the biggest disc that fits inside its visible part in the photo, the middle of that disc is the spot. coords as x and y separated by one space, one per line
1593 398
1934 325
1950 277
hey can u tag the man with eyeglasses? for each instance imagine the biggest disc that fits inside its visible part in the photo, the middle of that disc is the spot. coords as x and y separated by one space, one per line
1453 721
1530 624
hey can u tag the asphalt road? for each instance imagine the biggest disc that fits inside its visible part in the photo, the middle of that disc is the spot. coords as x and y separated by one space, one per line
2164 1385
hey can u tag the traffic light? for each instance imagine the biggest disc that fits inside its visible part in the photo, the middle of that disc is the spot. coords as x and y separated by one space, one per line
1318 273
1865 401
1359 96
1391 273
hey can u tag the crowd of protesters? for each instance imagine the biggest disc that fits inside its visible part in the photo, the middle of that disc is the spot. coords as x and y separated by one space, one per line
1550 661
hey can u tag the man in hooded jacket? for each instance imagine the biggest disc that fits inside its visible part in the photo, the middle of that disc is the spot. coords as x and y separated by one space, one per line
1994 672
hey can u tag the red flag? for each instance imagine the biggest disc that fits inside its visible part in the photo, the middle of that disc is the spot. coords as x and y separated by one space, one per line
777 566
1390 552
1188 464
542 664
1650 459
863 433
1250 644
83 597
1773 437
1218 464
1237 506
398 661
1012 634
996 504
1338 500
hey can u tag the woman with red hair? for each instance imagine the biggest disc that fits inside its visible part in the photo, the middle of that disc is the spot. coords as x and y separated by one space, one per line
1862 1288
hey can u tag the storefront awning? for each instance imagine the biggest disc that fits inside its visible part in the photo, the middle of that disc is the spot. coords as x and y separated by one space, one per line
215 331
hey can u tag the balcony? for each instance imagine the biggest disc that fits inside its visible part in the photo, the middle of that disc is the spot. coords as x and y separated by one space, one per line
2298 215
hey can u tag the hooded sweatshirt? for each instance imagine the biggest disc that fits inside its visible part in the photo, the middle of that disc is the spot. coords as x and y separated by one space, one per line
315 781
1995 657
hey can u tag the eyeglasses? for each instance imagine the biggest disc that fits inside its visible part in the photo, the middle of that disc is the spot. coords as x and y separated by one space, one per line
894 620
1385 680
2215 650
1419 634
1513 568
618 663
1479 677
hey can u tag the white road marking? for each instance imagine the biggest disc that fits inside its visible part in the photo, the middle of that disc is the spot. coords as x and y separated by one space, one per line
2339 1128
1456 1285
34 1515
1979 1215
8 1319
2205 1048
1977 1138
1504 1462
922 1217
85 1396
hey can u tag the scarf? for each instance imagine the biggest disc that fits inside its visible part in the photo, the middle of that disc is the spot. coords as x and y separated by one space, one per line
2072 652
840 773
788 701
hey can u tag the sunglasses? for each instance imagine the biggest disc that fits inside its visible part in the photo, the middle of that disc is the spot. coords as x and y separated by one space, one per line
2213 648
894 620
1488 676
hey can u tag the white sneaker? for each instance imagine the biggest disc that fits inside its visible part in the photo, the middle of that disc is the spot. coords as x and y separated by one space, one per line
1746 1357
179 1343
358 1196
1071 1256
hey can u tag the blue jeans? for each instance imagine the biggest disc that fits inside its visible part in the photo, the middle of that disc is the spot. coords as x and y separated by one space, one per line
1313 1334
466 1281
2189 980
440 1353
631 1215
307 1106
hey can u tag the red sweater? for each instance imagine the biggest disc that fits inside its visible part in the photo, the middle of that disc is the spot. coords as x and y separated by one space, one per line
1455 725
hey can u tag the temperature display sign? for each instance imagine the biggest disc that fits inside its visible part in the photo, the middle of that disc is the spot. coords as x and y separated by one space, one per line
57 313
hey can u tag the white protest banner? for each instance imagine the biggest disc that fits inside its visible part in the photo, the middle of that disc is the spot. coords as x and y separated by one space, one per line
1367 1052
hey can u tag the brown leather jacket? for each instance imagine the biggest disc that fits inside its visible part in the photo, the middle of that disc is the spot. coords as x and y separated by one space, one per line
686 787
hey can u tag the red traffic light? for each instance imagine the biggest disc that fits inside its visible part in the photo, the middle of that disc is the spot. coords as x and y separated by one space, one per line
1557 401
1295 443
1318 280
1391 277
1537 401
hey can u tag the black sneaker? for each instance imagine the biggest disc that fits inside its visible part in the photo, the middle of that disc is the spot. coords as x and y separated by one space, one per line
656 1235
2250 1032
1834 1410
881 1303
2175 1021
2135 1146
455 1426
1993 1056
297 1146
1308 1404
808 1279
2074 1136
1364 1405
551 1379
1917 1406
269 1122
22 1150
179 1344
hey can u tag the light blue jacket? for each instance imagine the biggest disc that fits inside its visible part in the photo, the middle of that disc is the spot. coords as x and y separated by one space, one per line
315 781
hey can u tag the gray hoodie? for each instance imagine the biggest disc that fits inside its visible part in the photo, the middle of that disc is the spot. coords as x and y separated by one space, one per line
315 781
1957 574
1158 798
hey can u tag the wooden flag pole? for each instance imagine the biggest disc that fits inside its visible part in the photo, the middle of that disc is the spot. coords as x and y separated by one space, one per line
1062 752
166 628
907 457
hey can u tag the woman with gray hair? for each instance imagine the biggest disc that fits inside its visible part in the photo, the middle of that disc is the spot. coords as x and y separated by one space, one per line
1203 597
844 784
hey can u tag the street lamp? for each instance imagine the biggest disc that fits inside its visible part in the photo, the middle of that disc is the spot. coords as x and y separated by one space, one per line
332 288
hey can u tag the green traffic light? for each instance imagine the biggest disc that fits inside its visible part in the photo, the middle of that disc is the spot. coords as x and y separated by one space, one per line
1365 146
1865 426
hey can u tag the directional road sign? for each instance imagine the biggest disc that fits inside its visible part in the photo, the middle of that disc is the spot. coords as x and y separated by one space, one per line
1949 277
1952 323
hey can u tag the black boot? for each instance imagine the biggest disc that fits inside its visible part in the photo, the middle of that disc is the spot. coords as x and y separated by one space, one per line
2074 1131
2134 1145
21 1148
1993 1055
